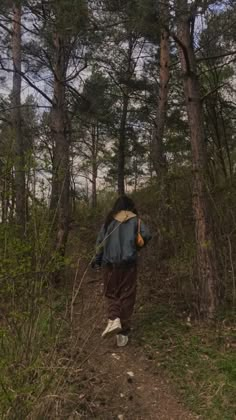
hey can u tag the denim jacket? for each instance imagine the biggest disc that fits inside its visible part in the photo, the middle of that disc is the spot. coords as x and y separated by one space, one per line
117 245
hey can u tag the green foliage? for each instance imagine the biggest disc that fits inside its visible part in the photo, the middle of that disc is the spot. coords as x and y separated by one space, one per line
147 19
70 17
27 343
16 259
32 315
96 101
141 17
122 50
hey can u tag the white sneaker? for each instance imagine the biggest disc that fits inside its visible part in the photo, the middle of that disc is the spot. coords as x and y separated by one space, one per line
113 327
121 340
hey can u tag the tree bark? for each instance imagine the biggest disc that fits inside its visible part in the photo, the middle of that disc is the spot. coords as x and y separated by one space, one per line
4 200
206 257
94 164
59 205
6 192
135 174
122 145
20 191
125 104
159 158
159 161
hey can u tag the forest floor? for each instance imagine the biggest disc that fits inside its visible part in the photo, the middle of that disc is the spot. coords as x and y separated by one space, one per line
172 367
119 383
55 365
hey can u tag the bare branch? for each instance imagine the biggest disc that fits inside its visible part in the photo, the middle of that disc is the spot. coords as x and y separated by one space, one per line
213 91
31 84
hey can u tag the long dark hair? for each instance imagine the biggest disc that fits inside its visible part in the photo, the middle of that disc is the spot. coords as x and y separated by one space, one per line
122 203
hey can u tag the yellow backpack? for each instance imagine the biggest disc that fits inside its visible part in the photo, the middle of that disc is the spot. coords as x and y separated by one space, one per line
139 238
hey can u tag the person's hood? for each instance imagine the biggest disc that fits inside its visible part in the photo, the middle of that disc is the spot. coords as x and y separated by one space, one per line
124 215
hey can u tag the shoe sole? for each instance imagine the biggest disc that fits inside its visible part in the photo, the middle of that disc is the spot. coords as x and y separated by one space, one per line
123 344
116 330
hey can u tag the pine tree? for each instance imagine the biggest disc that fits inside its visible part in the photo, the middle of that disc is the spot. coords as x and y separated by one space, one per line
17 119
207 266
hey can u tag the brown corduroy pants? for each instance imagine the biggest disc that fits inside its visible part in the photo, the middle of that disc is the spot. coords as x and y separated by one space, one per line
120 284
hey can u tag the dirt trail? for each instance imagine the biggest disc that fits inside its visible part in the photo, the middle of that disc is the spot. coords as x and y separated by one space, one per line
120 383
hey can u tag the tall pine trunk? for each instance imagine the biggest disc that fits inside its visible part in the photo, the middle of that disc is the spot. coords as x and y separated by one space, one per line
6 188
122 145
61 178
159 158
5 199
20 191
206 257
95 135
159 161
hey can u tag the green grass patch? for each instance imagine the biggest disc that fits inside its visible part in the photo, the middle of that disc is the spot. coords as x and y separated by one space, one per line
200 360
29 355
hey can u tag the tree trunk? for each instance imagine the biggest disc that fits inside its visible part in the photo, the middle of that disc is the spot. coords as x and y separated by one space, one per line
94 165
12 201
125 103
60 179
206 257
159 158
159 161
122 146
135 174
16 118
5 196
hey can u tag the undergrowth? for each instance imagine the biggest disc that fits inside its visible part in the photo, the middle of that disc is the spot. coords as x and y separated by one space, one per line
200 360
33 321
40 355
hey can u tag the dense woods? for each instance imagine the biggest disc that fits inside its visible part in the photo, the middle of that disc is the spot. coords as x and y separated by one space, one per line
107 97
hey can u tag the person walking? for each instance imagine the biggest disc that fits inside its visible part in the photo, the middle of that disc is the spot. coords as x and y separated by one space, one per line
121 237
